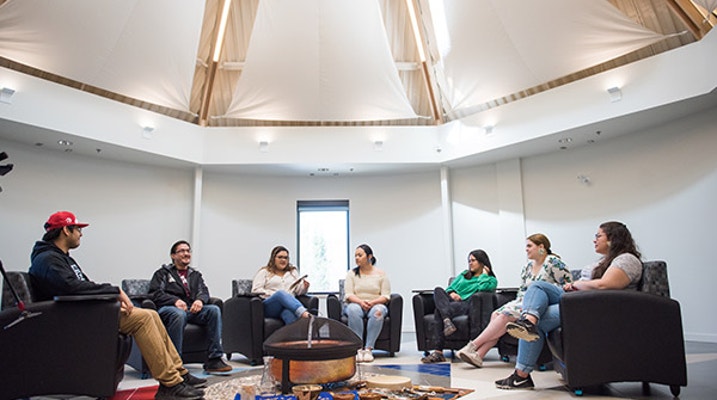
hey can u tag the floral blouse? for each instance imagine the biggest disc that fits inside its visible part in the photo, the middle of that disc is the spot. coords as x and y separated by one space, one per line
553 271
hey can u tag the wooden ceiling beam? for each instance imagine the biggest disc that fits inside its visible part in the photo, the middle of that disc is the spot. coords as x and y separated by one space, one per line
213 60
697 23
436 109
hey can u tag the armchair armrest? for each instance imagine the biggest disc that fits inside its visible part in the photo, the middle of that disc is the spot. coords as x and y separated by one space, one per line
482 306
243 325
395 312
423 303
613 335
148 304
217 302
334 307
310 302
87 297
86 328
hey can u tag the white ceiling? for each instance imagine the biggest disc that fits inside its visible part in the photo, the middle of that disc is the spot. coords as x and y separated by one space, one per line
334 62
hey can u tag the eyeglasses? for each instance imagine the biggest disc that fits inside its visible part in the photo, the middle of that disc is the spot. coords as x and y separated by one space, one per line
598 236
183 251
283 257
470 260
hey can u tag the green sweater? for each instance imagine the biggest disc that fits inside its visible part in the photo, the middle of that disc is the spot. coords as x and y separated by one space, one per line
466 287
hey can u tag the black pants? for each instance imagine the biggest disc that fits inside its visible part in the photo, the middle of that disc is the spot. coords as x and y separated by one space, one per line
446 307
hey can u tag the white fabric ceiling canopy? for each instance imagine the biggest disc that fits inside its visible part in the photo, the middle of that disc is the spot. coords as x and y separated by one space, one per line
146 50
319 60
499 47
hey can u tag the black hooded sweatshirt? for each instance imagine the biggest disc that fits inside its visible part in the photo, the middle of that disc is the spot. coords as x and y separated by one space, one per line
54 273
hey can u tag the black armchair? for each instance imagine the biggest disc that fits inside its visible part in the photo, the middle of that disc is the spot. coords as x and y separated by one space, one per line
195 342
244 326
390 337
621 336
468 326
72 347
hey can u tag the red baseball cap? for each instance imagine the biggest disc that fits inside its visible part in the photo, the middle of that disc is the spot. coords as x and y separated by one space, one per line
61 219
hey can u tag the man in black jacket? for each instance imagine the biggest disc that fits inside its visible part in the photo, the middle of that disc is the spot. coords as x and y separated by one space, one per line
182 297
54 273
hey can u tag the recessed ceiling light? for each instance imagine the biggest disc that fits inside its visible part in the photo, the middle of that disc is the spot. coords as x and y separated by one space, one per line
63 142
565 140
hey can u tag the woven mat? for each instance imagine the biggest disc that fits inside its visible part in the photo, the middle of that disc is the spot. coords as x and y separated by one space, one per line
420 375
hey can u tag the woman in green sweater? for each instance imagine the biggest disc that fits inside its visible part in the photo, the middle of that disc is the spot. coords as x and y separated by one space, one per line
455 299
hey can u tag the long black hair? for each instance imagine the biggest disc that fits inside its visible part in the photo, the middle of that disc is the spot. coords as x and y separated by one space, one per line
482 257
369 253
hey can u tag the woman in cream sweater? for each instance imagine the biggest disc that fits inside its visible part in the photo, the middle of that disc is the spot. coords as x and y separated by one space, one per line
367 291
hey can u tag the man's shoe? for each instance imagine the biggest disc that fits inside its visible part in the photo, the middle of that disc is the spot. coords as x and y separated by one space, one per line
435 357
194 381
448 327
515 381
523 329
469 354
180 391
216 365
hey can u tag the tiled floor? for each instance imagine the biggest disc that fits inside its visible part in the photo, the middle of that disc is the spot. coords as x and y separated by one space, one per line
701 369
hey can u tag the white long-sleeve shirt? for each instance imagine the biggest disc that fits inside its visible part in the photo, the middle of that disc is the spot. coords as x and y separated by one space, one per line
266 283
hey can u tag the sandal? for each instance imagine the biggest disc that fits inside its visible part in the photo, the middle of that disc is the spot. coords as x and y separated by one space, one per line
435 357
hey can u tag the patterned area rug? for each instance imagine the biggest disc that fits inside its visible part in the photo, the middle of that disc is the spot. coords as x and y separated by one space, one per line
422 375
148 392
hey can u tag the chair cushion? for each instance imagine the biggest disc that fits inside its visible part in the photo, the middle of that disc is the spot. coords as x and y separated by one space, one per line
654 278
241 287
20 281
136 289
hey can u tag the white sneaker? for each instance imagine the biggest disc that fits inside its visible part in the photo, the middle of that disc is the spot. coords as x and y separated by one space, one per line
359 356
469 354
368 356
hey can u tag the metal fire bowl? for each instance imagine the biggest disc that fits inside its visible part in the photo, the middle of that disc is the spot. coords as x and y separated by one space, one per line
319 371
327 360
321 349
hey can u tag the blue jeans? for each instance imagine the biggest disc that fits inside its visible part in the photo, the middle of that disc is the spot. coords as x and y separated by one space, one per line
376 315
542 301
284 305
210 317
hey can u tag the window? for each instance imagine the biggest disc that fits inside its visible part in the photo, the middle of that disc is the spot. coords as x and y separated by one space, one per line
323 242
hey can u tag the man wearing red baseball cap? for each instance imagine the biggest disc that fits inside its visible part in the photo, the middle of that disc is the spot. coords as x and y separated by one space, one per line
53 273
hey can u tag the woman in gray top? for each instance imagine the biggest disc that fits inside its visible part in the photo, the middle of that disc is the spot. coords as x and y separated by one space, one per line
619 268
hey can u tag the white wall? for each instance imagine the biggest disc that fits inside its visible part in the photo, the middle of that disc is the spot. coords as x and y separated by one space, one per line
662 182
135 212
243 217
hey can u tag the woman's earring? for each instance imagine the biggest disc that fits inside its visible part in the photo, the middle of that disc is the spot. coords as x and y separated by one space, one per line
608 243
541 252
